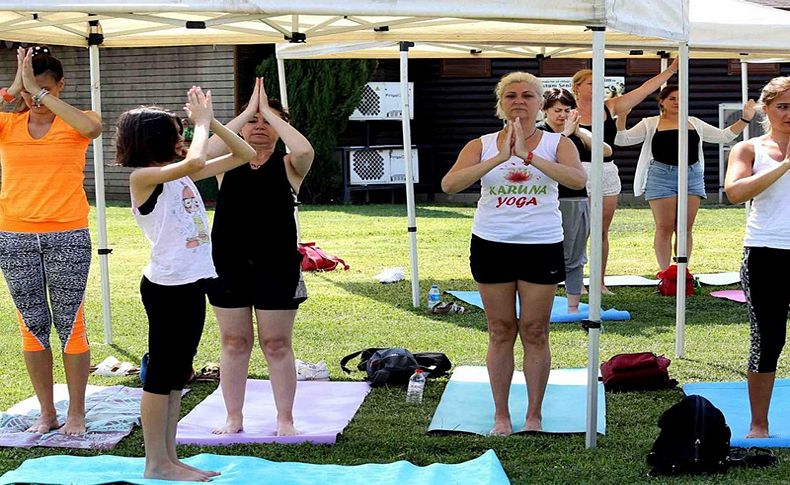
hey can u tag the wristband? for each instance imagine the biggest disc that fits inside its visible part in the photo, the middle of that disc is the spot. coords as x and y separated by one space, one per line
745 120
36 98
6 95
529 158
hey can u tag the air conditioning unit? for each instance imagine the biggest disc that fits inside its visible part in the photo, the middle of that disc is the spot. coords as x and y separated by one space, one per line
381 166
729 113
381 101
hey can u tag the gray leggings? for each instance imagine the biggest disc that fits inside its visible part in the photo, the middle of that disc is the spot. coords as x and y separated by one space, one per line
576 230
54 264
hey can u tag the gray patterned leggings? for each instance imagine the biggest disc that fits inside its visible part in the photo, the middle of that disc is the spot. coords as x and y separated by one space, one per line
46 275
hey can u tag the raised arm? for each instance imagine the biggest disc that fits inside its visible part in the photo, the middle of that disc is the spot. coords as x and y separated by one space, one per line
240 153
567 170
712 134
468 168
626 102
632 136
216 145
87 123
199 110
301 154
741 183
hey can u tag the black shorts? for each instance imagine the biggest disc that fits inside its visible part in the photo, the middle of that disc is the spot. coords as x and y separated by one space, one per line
264 285
497 262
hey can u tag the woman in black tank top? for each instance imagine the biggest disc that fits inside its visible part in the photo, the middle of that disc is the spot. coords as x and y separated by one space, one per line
613 107
255 254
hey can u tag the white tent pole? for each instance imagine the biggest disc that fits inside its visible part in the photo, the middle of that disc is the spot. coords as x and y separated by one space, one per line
410 205
682 214
664 65
744 99
94 40
593 325
284 101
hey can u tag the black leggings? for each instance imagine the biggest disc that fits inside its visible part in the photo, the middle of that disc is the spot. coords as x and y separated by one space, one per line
767 300
176 315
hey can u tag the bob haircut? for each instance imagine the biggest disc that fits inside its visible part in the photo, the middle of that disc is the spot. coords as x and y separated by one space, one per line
507 80
558 96
147 135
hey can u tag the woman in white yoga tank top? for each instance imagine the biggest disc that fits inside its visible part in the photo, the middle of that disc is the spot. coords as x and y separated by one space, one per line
516 249
757 171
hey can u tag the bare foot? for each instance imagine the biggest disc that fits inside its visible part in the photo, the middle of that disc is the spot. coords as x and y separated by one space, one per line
501 428
584 290
606 291
573 309
231 426
533 425
74 425
758 432
44 424
171 471
207 473
286 429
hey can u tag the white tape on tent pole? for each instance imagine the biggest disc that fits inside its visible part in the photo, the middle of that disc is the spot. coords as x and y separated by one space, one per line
744 99
596 237
101 208
410 204
682 207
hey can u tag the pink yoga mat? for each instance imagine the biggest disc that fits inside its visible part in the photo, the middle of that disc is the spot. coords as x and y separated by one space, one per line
321 412
734 295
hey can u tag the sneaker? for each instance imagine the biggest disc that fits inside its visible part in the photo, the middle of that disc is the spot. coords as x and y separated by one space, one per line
305 371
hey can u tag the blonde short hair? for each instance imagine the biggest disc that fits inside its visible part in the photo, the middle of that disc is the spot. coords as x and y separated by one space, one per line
579 78
512 78
771 91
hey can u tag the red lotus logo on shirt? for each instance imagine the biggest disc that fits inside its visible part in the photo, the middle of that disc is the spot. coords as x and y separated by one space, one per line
518 175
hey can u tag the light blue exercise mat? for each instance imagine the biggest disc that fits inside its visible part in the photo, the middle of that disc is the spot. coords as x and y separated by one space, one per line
90 470
733 400
559 310
467 405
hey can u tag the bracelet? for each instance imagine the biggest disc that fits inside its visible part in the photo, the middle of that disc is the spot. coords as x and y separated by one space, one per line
529 158
36 98
745 120
7 97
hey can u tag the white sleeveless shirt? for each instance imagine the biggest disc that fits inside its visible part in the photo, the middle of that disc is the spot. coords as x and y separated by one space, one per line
518 204
768 224
178 231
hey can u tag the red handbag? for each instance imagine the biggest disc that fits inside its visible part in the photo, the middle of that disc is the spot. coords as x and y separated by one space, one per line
315 259
669 280
638 371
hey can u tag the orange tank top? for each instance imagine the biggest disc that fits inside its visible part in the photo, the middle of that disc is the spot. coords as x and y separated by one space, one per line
42 178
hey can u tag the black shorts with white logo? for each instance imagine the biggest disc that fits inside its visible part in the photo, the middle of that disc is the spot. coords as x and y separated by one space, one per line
497 262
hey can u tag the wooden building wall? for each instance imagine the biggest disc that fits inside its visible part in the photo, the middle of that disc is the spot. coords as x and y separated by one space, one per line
134 77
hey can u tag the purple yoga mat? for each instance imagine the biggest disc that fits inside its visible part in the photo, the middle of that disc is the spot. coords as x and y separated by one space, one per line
321 412
734 295
110 414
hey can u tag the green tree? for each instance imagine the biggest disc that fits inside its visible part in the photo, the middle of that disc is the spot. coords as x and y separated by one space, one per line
321 96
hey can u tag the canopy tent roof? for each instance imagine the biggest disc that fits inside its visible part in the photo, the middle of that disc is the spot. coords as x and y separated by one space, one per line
190 22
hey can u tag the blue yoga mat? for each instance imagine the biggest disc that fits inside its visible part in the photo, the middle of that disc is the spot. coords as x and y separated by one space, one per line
559 313
90 470
733 400
467 405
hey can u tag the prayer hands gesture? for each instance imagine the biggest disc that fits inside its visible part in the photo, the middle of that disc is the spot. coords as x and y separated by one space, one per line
572 123
198 108
25 59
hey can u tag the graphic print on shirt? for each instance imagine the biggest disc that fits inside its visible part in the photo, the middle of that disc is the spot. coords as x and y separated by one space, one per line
523 186
196 233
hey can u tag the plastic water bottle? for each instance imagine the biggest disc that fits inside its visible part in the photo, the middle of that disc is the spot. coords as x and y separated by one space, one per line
416 386
434 297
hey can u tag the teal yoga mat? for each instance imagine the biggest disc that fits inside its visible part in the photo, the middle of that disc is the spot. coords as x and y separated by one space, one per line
559 309
733 400
91 470
467 405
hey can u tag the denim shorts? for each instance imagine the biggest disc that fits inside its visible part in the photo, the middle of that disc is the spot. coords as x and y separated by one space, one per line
662 181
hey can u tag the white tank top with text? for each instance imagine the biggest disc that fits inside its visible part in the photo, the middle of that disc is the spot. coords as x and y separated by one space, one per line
518 203
768 224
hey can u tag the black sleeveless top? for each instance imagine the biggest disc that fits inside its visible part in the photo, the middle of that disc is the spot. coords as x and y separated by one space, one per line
609 132
665 147
584 155
255 215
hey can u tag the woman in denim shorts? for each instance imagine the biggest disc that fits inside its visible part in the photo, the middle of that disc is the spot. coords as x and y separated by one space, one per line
657 168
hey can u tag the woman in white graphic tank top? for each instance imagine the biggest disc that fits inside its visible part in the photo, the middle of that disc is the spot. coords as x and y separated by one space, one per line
757 171
516 253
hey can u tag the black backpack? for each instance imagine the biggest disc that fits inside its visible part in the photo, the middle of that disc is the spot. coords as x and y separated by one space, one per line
396 365
694 439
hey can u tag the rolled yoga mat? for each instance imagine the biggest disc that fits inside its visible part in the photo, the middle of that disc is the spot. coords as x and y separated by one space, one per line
733 400
467 405
236 470
559 309
321 412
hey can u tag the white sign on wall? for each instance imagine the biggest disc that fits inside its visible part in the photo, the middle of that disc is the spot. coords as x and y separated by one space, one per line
614 85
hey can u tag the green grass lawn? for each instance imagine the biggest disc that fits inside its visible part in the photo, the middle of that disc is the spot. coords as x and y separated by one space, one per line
349 310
